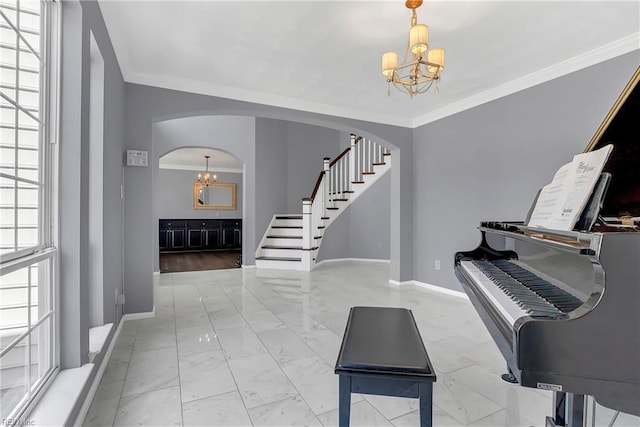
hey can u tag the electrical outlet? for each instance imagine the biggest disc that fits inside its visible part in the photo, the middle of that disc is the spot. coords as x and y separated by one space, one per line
437 264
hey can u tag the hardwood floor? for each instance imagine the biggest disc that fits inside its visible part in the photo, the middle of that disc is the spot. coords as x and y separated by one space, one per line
198 261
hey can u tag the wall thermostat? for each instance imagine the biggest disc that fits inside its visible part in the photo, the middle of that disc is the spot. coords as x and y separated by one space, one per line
137 158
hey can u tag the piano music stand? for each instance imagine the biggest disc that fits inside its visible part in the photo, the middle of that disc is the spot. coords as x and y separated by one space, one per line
591 211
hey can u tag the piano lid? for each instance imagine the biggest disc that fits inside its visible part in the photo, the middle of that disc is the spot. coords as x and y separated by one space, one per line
621 128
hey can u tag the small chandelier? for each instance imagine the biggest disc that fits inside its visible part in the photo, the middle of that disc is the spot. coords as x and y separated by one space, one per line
418 75
207 179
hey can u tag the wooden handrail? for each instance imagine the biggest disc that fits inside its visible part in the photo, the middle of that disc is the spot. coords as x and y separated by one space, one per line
315 189
334 161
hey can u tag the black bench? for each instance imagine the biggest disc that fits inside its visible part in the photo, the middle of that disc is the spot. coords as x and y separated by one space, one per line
382 353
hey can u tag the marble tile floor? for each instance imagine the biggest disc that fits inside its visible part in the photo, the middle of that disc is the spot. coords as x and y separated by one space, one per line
257 347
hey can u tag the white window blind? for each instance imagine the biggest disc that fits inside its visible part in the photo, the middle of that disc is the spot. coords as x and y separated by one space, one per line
27 253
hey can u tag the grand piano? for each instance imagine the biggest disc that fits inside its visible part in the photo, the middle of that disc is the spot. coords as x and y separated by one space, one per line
564 306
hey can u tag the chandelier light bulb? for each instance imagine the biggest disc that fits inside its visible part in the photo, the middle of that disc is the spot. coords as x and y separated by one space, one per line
435 56
419 39
389 62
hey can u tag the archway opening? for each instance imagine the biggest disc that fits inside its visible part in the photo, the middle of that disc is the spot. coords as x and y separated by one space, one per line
199 205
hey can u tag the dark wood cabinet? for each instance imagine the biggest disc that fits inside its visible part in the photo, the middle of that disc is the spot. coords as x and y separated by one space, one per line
172 235
199 234
231 234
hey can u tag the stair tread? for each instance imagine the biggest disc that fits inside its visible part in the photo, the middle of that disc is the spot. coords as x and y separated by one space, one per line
357 182
286 226
379 164
299 248
386 154
321 226
368 173
341 200
325 217
288 216
318 237
275 258
348 191
284 237
333 209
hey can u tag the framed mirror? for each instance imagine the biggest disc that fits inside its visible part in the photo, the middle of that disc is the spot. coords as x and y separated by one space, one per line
220 196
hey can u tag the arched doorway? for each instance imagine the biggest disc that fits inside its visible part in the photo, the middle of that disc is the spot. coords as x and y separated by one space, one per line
199 205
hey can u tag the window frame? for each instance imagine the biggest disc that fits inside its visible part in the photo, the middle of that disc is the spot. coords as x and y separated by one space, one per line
45 251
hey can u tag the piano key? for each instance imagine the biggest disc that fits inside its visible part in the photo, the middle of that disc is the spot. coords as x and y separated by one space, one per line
509 310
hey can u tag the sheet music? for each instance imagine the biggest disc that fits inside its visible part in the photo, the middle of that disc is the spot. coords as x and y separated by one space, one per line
561 202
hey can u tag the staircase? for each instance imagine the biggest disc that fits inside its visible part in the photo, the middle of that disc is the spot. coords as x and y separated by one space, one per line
292 241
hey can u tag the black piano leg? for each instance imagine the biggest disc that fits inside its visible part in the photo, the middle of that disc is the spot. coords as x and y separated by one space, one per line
510 378
569 410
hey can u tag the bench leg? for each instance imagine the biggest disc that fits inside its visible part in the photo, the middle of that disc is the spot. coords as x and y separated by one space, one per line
344 400
426 398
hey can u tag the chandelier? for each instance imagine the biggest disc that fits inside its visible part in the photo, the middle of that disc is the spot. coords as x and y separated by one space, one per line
207 179
419 74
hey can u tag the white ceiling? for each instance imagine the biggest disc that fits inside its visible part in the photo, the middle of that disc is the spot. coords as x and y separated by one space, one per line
324 56
193 159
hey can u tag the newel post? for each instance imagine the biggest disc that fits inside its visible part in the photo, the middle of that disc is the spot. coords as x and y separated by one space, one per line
326 185
307 219
352 161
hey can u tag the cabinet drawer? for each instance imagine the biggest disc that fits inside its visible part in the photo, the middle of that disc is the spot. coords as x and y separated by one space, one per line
236 223
166 224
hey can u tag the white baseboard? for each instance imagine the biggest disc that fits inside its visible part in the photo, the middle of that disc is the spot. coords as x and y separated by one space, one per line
96 381
435 288
246 267
352 259
156 273
396 283
138 316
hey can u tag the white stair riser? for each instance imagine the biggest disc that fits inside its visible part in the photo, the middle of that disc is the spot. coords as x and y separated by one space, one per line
283 242
294 222
280 265
283 253
285 231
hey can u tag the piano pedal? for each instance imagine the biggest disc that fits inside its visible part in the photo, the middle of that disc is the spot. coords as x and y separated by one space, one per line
510 378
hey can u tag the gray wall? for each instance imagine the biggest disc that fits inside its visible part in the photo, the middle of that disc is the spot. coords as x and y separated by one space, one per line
487 163
271 172
306 147
174 195
78 20
369 222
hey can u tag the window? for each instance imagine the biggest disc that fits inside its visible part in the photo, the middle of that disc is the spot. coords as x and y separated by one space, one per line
27 160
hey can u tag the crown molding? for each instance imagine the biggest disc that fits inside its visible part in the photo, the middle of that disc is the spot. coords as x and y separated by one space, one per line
239 94
587 59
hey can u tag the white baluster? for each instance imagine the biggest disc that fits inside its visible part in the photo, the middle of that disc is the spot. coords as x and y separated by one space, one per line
359 148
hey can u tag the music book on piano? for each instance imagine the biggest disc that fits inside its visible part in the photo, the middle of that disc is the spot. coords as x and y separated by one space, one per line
561 202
